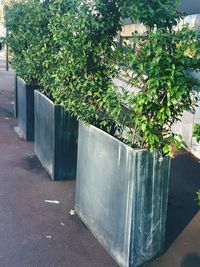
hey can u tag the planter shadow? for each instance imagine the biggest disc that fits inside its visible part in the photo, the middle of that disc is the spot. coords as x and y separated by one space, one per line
121 196
191 260
56 134
184 182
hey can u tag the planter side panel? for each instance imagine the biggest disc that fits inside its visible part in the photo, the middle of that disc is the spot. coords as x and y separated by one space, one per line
104 190
55 138
25 109
66 138
151 180
44 132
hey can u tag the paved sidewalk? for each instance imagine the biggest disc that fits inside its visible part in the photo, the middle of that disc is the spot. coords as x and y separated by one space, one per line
34 233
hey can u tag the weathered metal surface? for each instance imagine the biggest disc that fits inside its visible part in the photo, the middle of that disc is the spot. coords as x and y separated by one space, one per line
25 109
121 195
56 134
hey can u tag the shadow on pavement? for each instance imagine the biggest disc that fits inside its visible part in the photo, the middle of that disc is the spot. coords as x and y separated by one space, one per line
182 207
191 260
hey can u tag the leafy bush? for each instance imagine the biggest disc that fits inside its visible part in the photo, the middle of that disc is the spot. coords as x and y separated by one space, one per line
71 48
26 24
82 64
162 14
160 61
198 198
88 58
196 132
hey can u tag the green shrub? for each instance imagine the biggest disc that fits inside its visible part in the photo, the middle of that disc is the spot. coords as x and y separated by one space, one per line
26 24
162 14
80 69
196 132
71 48
160 61
198 197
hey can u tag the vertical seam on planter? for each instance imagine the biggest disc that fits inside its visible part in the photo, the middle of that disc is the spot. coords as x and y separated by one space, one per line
77 170
161 164
27 110
35 105
167 166
54 141
133 211
152 198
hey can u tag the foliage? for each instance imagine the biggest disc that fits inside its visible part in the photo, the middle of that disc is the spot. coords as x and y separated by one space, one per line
198 198
161 14
81 66
26 24
196 132
160 61
71 48
2 4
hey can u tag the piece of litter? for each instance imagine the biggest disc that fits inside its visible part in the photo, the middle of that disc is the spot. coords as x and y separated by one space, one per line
6 118
72 212
30 155
48 236
52 201
18 131
62 224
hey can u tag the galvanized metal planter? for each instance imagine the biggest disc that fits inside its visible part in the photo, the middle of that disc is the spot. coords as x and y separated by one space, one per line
25 108
121 195
56 134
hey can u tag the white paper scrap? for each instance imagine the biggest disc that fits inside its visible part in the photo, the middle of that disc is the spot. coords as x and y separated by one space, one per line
52 201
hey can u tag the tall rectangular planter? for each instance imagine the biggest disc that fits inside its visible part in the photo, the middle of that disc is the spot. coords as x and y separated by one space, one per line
121 195
25 108
56 134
